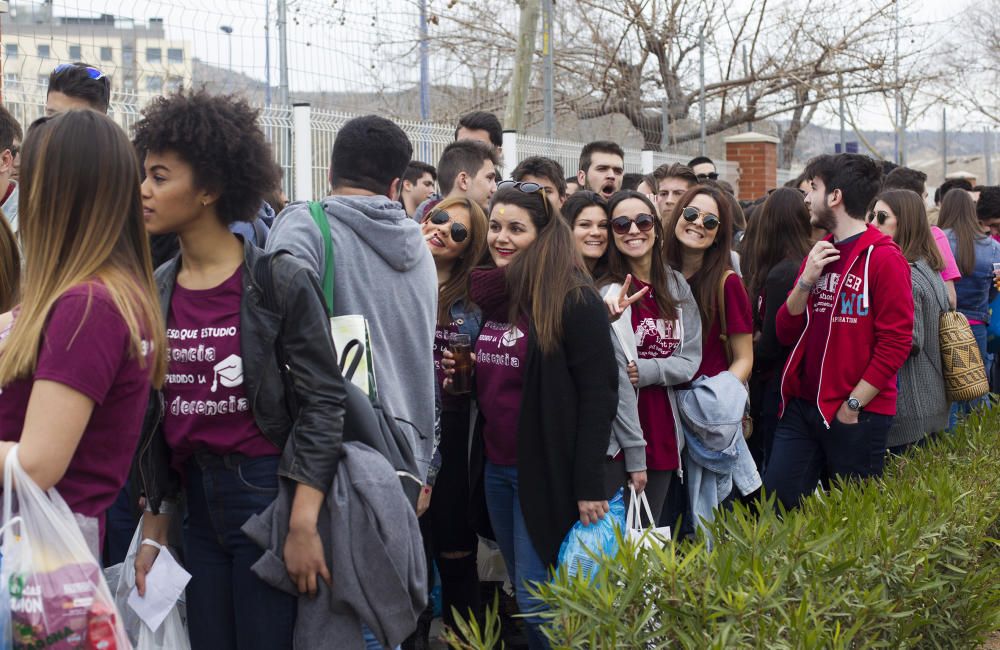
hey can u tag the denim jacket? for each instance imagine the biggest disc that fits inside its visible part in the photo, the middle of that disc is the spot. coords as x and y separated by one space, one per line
311 442
974 291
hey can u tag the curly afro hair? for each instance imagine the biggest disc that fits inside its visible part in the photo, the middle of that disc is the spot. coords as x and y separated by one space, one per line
219 137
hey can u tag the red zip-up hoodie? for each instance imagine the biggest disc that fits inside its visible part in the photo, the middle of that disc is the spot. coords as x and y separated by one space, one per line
870 328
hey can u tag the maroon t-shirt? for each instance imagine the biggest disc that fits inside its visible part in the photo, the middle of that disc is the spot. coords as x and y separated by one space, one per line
656 338
739 320
206 405
86 346
501 351
821 312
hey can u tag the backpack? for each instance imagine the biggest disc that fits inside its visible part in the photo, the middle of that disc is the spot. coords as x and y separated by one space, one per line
365 419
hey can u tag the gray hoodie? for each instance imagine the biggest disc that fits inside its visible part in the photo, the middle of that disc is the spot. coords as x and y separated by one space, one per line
383 271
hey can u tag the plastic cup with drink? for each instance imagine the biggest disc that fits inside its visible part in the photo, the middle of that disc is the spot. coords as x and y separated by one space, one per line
461 350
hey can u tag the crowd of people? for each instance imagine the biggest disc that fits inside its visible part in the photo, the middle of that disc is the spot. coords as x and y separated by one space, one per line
625 330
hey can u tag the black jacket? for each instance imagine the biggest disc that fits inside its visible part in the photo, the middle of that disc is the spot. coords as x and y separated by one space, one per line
568 403
311 443
769 355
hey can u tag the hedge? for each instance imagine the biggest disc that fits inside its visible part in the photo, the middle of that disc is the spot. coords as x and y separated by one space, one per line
911 560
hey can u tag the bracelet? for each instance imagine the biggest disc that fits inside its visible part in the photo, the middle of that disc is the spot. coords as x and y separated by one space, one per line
152 542
806 286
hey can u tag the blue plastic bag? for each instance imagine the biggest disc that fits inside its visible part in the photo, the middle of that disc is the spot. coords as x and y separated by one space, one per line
599 538
6 633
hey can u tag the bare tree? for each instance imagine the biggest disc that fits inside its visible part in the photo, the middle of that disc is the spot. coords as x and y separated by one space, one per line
632 57
975 74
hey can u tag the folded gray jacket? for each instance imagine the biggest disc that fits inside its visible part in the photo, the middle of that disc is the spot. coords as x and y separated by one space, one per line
373 549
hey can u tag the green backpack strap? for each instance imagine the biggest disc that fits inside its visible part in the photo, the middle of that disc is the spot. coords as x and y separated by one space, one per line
319 217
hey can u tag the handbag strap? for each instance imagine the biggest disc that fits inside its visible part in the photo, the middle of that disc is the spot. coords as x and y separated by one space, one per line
319 217
723 325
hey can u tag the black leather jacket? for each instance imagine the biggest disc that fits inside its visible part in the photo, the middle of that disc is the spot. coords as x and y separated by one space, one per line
311 443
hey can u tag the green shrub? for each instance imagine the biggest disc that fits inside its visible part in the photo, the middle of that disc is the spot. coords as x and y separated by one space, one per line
908 561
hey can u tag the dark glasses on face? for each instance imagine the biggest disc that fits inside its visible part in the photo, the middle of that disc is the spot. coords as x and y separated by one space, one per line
880 216
527 188
92 72
621 225
459 233
708 220
711 176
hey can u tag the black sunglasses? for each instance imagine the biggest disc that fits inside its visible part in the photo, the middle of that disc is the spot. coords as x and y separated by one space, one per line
881 216
708 220
459 233
92 72
644 222
527 188
712 176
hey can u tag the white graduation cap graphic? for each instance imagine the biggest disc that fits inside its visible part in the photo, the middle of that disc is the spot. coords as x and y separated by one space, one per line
229 371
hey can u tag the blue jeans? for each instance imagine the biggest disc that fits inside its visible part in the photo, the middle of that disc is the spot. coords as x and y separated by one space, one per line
228 607
961 409
805 451
519 554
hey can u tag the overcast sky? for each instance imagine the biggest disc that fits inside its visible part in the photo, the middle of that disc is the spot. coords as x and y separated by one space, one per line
314 44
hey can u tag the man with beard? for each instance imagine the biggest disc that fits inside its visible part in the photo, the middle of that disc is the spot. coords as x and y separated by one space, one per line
602 167
850 320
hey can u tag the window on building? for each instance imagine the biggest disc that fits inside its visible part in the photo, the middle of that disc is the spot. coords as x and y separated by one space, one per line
153 55
129 83
11 79
175 55
174 83
10 50
154 84
44 51
128 55
43 80
106 54
75 52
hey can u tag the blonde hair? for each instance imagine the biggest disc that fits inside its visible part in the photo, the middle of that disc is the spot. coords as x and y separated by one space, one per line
81 219
10 267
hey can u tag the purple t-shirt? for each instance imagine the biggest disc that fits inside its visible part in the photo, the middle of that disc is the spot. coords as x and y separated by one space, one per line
656 338
86 346
206 405
501 351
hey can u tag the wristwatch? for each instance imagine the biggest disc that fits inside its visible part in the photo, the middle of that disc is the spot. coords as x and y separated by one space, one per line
854 404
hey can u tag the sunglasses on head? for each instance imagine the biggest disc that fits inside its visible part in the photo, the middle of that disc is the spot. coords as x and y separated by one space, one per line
459 233
527 188
710 176
621 225
708 220
92 72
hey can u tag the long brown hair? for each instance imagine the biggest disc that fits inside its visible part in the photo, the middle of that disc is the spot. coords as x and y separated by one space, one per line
717 259
81 219
913 231
618 264
778 231
457 286
10 267
958 214
547 274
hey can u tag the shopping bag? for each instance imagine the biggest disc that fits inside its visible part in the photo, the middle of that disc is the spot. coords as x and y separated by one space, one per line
351 338
643 537
59 599
171 635
6 641
579 548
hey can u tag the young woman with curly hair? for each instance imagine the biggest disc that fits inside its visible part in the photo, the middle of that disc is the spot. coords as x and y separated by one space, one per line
226 432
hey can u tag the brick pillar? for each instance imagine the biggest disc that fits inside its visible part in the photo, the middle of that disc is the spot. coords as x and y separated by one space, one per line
757 156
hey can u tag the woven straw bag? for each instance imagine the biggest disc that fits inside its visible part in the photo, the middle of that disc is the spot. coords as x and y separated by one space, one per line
964 373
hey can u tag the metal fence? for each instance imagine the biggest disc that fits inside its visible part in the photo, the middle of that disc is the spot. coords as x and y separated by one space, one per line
27 103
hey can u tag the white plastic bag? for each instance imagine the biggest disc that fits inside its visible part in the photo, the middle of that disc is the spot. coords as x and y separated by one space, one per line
59 599
643 537
171 634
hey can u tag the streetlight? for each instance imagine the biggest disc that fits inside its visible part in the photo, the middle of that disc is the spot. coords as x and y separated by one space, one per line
228 31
